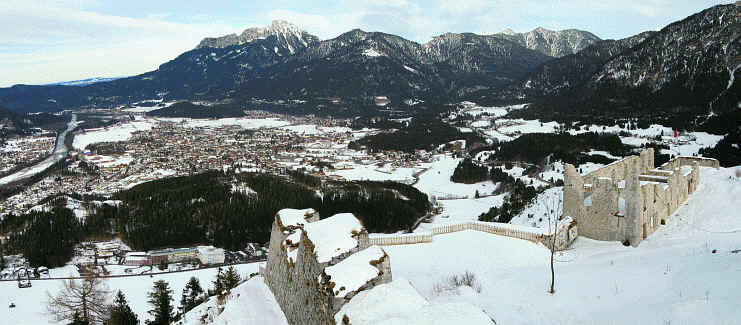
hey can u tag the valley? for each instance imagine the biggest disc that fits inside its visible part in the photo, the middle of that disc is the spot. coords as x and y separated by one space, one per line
371 176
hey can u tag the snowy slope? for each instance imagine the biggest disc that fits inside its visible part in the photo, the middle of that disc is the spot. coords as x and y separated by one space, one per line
673 277
436 180
251 302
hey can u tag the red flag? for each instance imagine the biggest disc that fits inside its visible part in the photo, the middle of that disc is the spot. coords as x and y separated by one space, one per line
675 133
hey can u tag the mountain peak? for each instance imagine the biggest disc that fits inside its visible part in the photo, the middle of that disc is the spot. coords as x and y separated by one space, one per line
552 43
280 28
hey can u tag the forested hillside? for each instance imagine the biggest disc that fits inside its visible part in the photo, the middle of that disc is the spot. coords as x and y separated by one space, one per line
214 208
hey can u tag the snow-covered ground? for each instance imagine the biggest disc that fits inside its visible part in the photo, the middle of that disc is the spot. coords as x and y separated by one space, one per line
120 132
124 131
685 273
436 180
461 210
249 303
520 126
537 213
374 173
246 123
673 277
30 302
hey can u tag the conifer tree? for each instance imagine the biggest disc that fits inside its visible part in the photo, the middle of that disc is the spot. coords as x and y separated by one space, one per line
218 283
121 313
231 278
160 298
192 296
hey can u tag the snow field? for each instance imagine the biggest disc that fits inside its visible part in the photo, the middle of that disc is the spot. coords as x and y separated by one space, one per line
251 302
436 181
372 172
672 277
121 132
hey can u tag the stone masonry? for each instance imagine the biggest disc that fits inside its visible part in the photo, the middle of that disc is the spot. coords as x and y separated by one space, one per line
296 266
629 199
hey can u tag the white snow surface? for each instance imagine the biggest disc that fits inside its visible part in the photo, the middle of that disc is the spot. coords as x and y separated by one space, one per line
399 302
333 236
372 172
436 180
245 123
372 53
251 302
115 133
294 217
354 271
673 276
550 199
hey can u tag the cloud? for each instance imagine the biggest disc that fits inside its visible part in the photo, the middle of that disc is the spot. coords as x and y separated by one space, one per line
43 42
55 40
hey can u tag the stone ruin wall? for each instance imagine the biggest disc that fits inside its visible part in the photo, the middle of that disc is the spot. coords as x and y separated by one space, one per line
295 285
297 288
646 206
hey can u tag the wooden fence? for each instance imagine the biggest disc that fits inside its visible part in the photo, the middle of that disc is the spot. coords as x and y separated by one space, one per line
402 239
489 228
492 228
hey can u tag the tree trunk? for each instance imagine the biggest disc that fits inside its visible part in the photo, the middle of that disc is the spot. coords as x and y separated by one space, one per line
553 274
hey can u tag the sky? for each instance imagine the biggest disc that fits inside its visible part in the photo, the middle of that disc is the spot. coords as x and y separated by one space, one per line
62 40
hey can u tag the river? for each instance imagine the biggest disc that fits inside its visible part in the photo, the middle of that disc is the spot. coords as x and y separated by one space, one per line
60 152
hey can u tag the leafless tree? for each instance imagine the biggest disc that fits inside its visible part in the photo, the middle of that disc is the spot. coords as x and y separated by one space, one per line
553 213
85 299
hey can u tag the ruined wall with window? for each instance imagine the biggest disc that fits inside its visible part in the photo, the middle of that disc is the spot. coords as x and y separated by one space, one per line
629 199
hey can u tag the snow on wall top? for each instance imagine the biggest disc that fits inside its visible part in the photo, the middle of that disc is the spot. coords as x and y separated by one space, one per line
400 303
291 245
333 236
355 271
294 217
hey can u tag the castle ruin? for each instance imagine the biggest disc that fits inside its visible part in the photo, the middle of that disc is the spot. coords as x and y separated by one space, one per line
316 266
629 199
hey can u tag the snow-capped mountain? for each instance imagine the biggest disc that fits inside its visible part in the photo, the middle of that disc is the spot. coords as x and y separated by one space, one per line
288 35
689 63
552 43
571 70
693 61
359 64
690 66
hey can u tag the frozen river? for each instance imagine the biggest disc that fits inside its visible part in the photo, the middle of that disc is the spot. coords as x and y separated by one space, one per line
60 152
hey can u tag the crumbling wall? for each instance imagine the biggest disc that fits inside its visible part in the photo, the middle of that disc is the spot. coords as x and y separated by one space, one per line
601 220
300 286
648 197
295 283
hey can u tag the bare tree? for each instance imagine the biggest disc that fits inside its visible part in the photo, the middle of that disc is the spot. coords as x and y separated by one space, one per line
86 300
553 213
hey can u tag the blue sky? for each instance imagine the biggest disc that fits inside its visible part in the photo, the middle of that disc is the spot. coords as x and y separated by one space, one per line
59 40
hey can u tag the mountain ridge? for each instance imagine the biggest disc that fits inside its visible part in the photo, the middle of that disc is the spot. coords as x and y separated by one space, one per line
281 63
